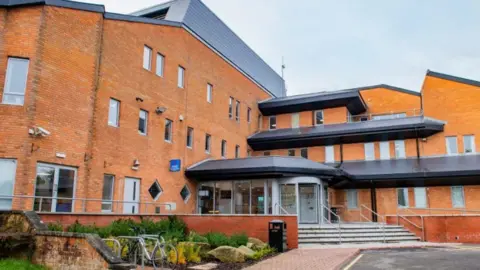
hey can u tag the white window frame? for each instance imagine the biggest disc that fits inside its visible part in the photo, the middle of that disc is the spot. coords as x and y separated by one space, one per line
249 115
190 140
367 148
349 193
400 152
160 68
146 122
463 196
147 57
230 107
385 150
315 117
237 111
168 128
181 77
117 115
223 149
473 147
270 126
112 189
14 174
329 154
7 89
405 193
416 193
208 142
209 93
448 141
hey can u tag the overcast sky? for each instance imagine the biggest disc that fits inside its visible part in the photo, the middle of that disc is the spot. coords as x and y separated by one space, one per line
336 44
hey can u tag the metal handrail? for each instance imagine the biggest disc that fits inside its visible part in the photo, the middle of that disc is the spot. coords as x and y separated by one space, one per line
281 208
339 229
408 113
116 245
462 210
421 228
382 227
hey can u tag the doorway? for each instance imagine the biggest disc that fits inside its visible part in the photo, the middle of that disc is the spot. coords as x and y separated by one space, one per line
54 188
131 196
308 203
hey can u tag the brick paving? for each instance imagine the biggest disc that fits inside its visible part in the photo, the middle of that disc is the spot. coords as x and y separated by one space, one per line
303 259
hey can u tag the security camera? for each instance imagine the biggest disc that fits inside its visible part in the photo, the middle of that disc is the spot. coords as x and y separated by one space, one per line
39 131
160 110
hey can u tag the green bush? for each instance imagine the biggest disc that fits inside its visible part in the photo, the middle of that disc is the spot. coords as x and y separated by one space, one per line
56 227
267 250
216 239
124 227
240 239
195 237
79 228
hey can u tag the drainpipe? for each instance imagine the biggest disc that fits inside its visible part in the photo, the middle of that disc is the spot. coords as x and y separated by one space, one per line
373 199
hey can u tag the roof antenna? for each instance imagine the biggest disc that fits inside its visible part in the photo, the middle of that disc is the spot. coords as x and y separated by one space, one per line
283 69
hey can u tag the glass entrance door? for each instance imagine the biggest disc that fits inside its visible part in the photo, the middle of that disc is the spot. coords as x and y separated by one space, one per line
308 203
54 188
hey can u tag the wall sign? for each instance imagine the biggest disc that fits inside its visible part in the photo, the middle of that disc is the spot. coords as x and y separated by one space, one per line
175 165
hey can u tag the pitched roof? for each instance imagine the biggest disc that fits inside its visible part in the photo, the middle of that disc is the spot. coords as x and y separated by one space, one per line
452 78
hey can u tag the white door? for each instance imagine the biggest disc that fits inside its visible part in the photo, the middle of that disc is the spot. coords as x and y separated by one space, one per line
7 182
131 196
308 203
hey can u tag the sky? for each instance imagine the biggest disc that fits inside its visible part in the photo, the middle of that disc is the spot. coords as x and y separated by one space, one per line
338 44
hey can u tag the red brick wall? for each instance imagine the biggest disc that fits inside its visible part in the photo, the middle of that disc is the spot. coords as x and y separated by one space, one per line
253 226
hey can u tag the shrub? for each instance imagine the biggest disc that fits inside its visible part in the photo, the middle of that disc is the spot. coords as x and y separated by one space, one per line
216 239
124 227
265 251
180 259
79 228
56 227
191 253
195 237
240 239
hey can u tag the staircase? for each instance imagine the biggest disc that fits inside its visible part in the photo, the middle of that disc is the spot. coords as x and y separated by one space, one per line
353 233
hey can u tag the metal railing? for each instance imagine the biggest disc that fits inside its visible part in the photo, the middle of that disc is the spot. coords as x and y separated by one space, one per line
70 205
328 219
280 208
382 224
384 116
404 217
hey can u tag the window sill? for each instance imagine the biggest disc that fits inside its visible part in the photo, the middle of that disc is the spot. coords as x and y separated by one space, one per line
170 142
12 104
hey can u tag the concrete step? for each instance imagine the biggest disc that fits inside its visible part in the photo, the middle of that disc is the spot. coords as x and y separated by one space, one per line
336 240
347 231
361 235
350 227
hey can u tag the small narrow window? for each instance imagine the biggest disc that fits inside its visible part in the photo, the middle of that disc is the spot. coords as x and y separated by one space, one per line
209 92
272 122
266 153
147 58
181 77
295 120
208 139
168 130
352 199
15 81
319 117
329 154
237 111
160 64
369 151
190 137
451 144
143 122
420 197
469 144
400 149
458 197
114 113
385 150
224 148
237 151
107 192
249 153
304 152
230 108
402 197
249 115
291 152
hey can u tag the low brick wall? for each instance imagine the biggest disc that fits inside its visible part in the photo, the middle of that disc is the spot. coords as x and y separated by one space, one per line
444 229
253 226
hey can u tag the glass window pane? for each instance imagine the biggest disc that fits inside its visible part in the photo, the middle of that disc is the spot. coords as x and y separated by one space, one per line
369 151
258 197
452 147
168 130
318 117
181 77
249 115
224 148
291 152
384 150
230 107
469 144
207 143
237 151
160 59
420 197
242 197
142 122
190 137
402 194
107 192
237 110
400 149
44 188
15 81
288 196
352 199
113 112
223 197
273 122
7 180
147 58
65 189
304 152
209 92
205 198
329 154
458 199
185 193
295 120
269 197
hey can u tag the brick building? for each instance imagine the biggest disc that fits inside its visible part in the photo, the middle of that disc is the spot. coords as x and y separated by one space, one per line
161 110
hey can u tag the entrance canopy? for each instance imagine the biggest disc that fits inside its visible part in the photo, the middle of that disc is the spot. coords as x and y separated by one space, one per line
260 167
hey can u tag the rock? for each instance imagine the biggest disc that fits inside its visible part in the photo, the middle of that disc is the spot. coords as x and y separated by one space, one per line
250 245
256 243
246 251
227 254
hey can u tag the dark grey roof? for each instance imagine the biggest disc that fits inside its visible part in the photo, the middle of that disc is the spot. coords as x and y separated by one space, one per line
199 19
258 167
452 78
375 130
58 3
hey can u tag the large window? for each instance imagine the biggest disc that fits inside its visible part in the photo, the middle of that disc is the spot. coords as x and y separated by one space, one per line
208 141
7 182
400 149
451 144
160 64
469 144
114 113
205 198
190 137
224 148
237 111
384 150
288 197
242 197
420 197
369 151
15 81
54 188
181 77
107 192
402 197
352 198
209 93
258 197
168 130
458 197
147 58
272 122
143 122
329 154
223 197
318 117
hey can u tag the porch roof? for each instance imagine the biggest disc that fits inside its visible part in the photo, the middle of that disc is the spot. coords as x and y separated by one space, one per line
259 167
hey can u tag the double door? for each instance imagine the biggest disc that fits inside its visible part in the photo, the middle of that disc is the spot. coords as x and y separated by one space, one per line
54 188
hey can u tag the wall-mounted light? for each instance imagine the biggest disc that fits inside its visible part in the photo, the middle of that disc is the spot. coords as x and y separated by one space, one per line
139 99
136 164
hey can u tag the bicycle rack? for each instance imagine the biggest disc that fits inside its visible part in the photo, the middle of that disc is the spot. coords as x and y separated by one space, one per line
116 245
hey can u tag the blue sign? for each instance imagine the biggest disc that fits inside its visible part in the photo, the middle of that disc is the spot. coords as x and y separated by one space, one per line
175 165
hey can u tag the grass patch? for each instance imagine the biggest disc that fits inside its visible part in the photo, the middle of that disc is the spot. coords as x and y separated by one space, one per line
14 264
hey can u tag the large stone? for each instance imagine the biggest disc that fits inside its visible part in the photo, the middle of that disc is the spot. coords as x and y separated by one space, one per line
246 251
227 254
256 243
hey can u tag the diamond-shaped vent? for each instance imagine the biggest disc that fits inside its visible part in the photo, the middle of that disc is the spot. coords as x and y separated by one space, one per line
155 190
185 193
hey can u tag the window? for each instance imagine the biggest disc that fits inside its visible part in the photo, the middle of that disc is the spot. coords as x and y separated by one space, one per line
352 198
272 122
8 169
147 58
190 137
420 197
451 143
469 144
369 151
291 152
181 77
329 154
237 111
400 149
209 92
318 118
208 139
237 151
15 81
402 197
304 152
230 108
266 153
107 193
142 122
160 64
384 150
249 115
249 153
168 130
114 113
185 193
58 183
458 199
295 120
224 148
155 190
